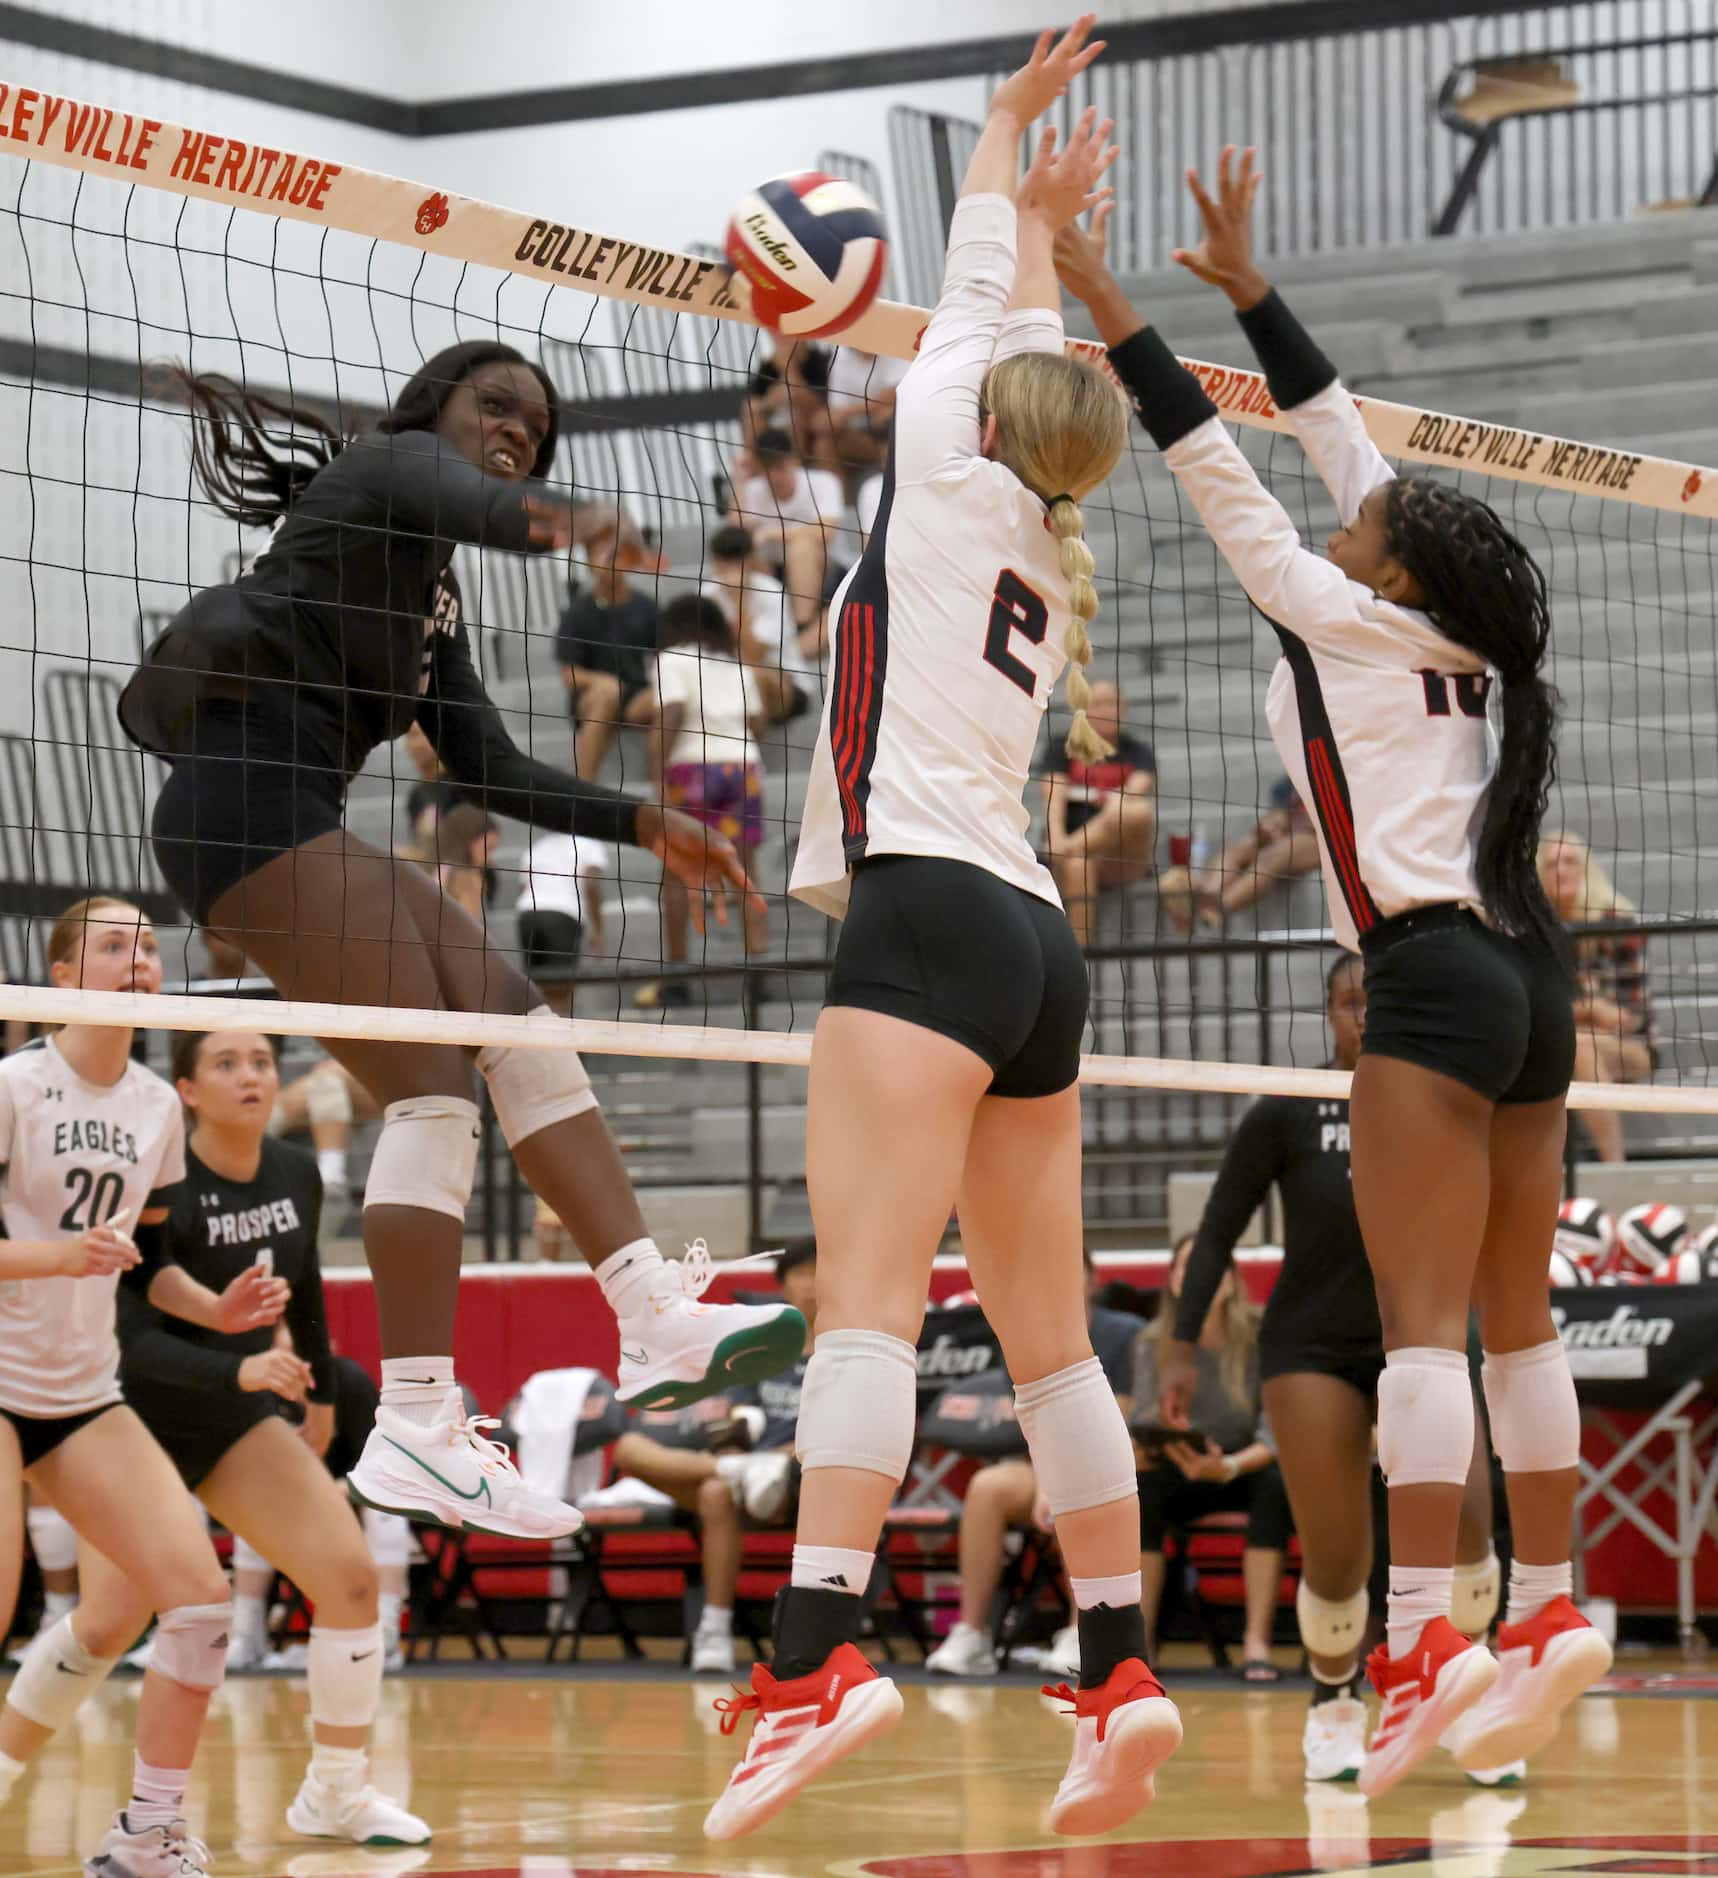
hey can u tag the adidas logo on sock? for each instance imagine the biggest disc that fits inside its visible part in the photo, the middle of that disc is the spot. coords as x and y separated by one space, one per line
837 1580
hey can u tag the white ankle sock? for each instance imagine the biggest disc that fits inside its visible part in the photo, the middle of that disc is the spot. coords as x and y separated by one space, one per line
343 1769
1418 1593
832 1568
331 1165
1118 1592
250 1619
1532 1587
718 1620
627 1275
11 1772
157 1794
57 1604
416 1386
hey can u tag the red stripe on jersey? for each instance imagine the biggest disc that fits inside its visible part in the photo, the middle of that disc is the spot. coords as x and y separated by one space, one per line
1339 835
862 714
844 733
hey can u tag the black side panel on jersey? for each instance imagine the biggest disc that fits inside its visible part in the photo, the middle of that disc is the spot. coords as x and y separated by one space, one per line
861 667
1331 802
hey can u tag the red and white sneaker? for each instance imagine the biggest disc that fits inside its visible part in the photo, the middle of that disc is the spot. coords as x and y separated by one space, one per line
1547 1662
803 1727
1123 1732
1423 1693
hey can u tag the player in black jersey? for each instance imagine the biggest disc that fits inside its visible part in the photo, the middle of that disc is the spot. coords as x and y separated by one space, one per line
215 1401
266 695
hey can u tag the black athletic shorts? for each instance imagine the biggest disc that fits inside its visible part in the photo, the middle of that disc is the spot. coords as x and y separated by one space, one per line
549 943
1360 1368
1447 993
951 948
252 790
196 1444
39 1435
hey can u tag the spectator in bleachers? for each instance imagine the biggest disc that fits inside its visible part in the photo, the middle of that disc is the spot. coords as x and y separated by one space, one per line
862 389
790 512
1282 845
1100 821
704 753
428 799
789 391
1615 1037
755 606
561 911
466 840
1224 1463
1005 1495
753 1480
604 646
325 1102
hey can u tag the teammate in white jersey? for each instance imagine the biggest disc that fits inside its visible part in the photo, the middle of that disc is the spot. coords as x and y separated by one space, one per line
91 1143
1412 712
945 1065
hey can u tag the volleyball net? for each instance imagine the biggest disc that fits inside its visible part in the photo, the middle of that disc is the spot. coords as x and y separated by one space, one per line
126 242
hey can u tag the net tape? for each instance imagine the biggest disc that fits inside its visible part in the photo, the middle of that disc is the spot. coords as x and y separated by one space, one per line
136 150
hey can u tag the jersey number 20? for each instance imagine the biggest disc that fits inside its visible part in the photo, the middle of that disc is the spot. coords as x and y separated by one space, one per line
91 1196
1014 608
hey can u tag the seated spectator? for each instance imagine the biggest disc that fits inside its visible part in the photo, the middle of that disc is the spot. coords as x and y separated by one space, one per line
1005 1495
755 606
1281 846
560 911
862 389
790 512
788 391
1615 1038
428 799
325 1102
604 645
720 1487
462 856
1100 822
1226 1462
704 752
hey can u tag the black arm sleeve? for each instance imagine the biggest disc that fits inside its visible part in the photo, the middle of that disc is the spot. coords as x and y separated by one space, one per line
151 1243
307 1315
1251 1163
1294 367
431 490
152 1354
1172 402
464 727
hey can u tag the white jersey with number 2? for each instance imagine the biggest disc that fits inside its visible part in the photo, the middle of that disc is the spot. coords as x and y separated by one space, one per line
948 632
76 1155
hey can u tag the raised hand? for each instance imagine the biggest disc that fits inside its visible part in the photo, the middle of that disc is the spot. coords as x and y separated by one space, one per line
1053 66
1062 184
1224 257
1082 262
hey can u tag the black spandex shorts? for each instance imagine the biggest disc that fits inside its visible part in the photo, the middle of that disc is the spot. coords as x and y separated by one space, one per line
1447 993
39 1435
251 791
549 943
951 948
1359 1368
197 1446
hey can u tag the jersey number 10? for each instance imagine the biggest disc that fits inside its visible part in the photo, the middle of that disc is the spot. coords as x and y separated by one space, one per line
1014 608
1469 688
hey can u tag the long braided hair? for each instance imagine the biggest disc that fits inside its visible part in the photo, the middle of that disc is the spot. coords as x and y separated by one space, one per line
1484 591
255 456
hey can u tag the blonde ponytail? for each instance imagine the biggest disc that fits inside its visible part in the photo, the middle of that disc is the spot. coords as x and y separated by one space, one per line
1068 525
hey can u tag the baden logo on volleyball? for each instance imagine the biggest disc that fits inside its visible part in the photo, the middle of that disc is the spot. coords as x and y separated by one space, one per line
432 214
812 247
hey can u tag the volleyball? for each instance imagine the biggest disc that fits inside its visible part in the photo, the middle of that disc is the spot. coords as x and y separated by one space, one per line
1688 1267
1585 1233
1706 1242
812 247
1648 1237
1567 1273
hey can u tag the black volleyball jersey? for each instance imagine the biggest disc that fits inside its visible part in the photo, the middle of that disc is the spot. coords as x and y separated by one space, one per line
1323 1296
217 1229
349 627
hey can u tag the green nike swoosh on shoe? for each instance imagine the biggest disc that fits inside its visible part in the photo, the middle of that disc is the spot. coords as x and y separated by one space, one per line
482 1489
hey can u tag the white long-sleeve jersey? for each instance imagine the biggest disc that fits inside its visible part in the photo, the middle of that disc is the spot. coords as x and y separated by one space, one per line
948 632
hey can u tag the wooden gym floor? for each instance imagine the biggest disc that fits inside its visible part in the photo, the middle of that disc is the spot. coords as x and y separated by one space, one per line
603 1772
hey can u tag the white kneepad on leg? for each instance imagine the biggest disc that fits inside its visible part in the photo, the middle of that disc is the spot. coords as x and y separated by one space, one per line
57 1676
51 1538
1425 1418
1331 1626
389 1538
344 1670
1077 1438
190 1646
534 1089
327 1095
1478 1591
856 1408
1535 1417
426 1155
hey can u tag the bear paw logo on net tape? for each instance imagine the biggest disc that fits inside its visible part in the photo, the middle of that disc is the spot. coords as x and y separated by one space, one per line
1692 487
432 214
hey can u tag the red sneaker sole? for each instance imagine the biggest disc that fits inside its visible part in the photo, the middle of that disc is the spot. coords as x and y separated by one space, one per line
1478 1671
866 1712
1141 1737
1570 1666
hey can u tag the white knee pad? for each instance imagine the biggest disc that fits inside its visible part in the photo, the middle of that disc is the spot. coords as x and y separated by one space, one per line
51 1538
1474 1601
426 1155
190 1646
1535 1418
389 1538
533 1089
345 1675
327 1095
1332 1626
246 1558
1077 1438
1425 1418
856 1408
57 1676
